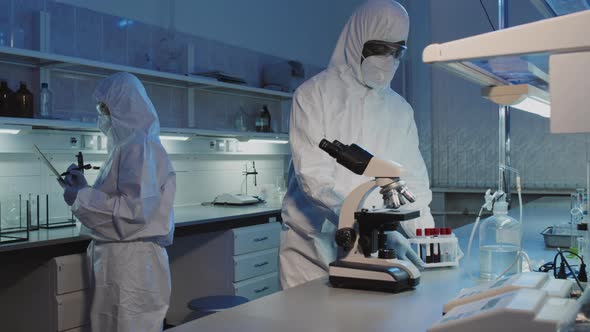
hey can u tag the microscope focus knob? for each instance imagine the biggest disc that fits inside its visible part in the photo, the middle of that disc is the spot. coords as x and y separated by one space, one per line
346 237
387 254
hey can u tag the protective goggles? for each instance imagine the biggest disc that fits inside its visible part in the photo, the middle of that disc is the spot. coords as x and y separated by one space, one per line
377 47
102 108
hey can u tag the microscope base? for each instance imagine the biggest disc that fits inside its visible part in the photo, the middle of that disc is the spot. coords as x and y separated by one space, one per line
372 277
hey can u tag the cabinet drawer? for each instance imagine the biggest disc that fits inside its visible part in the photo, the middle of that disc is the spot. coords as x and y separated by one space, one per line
72 310
71 273
255 238
258 287
255 264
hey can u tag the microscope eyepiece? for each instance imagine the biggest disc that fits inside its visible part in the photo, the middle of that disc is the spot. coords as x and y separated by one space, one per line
331 148
351 156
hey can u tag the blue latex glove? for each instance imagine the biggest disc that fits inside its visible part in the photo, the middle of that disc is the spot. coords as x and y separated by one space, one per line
75 181
403 249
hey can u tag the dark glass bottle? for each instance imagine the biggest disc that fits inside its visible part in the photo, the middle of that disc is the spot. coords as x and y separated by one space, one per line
24 102
263 122
7 107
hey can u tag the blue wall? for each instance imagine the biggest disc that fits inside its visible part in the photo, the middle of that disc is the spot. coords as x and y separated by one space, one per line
464 125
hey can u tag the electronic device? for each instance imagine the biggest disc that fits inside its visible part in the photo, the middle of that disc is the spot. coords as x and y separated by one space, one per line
524 309
560 288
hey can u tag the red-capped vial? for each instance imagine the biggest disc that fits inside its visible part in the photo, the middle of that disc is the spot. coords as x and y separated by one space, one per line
420 246
429 246
436 246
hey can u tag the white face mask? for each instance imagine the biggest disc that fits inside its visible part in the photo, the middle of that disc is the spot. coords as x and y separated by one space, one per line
378 70
104 124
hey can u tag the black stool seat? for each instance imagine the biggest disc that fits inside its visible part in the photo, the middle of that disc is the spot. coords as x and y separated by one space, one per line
216 303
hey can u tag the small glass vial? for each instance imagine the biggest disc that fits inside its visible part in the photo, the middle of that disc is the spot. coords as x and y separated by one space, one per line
46 102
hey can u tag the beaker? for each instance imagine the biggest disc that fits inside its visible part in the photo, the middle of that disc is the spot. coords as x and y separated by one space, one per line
11 217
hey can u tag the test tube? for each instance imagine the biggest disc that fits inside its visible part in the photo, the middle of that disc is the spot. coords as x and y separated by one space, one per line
429 246
446 233
436 252
419 246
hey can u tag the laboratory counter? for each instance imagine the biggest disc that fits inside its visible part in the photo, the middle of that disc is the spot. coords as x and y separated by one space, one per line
47 274
193 218
316 306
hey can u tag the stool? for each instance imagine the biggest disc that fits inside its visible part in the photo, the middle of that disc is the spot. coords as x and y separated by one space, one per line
216 303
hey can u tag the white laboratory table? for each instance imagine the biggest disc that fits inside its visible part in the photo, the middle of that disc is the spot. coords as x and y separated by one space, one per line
196 217
316 306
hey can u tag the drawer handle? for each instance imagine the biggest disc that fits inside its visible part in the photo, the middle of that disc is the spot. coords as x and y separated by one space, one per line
260 290
260 239
261 264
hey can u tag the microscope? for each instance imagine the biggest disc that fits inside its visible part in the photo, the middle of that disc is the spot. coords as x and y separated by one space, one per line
363 260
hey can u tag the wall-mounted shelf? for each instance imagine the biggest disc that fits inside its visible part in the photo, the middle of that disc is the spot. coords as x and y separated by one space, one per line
83 126
240 135
55 62
48 124
513 56
36 59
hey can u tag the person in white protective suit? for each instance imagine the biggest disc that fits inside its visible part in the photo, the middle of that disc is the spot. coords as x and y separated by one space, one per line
128 212
352 102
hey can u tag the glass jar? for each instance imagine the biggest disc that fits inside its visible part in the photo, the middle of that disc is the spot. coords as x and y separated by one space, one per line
499 243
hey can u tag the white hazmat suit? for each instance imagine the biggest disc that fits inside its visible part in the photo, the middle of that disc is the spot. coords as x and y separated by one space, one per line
128 212
337 104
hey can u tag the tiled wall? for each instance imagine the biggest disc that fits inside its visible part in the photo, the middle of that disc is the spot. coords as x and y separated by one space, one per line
199 179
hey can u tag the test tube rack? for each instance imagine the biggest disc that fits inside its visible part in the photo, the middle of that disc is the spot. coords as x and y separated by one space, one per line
441 251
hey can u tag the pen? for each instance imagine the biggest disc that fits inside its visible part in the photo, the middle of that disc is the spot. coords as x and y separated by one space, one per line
80 168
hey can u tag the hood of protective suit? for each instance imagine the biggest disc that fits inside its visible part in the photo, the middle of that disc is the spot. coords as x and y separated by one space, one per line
384 20
133 195
132 112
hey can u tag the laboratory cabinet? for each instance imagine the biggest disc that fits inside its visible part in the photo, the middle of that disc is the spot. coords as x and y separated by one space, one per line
175 77
241 261
53 297
70 306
